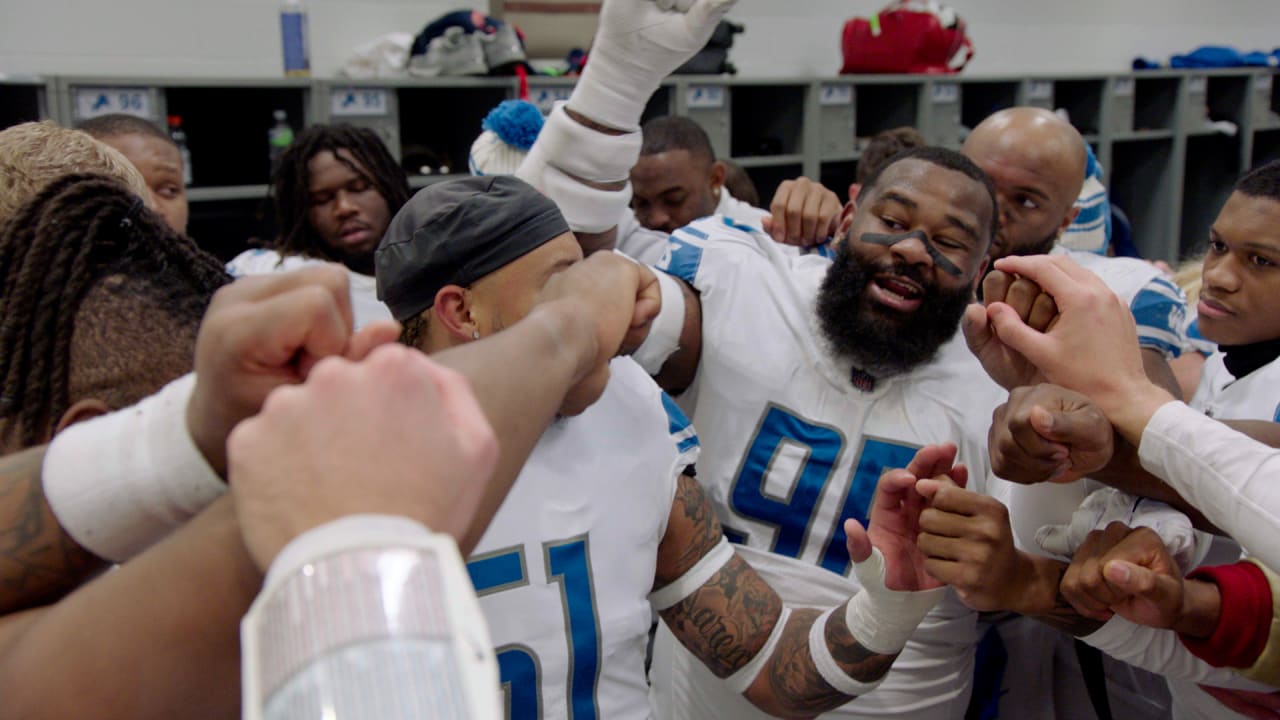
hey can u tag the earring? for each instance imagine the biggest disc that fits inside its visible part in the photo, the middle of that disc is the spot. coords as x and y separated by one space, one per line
475 334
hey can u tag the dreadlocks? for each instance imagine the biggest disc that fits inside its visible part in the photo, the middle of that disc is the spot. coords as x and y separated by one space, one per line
86 249
292 179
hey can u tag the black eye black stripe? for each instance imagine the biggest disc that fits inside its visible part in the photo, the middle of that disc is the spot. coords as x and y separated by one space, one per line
938 258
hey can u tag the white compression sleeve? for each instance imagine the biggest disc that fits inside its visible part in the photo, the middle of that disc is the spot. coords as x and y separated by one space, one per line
368 616
120 482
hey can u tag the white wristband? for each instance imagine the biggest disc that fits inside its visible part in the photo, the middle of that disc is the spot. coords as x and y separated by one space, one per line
664 332
827 666
585 208
567 157
882 620
121 482
583 152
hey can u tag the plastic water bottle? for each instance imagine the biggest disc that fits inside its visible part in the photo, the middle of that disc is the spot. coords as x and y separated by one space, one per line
293 39
179 137
279 137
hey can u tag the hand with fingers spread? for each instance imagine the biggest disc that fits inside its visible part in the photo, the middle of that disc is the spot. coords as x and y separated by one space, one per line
1032 306
894 518
803 213
263 332
1045 433
394 434
1091 323
617 298
1125 571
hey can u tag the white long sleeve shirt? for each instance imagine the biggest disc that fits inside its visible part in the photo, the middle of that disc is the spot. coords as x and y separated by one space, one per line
1231 478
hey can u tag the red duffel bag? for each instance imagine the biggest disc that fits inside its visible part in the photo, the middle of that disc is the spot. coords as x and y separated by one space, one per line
907 36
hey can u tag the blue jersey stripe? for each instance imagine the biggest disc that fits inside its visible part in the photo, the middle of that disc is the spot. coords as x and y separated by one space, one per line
682 259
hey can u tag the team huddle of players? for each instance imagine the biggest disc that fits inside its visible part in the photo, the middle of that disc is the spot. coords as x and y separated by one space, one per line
824 442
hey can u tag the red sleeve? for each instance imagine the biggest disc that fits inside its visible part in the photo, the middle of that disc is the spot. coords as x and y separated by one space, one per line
1245 621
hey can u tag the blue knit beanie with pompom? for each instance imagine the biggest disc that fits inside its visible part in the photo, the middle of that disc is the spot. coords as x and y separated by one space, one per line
509 130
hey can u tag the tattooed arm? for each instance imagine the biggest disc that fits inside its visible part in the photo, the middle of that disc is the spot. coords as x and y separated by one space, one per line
39 562
155 638
728 620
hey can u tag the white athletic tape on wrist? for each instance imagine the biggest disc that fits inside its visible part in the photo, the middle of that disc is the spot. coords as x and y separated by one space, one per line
582 152
586 209
121 482
827 666
742 679
664 332
694 578
568 153
634 48
881 619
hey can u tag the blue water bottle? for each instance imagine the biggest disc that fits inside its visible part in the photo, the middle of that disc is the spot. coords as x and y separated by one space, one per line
293 39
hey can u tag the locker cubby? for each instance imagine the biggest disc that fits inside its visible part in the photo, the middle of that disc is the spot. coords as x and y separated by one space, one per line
980 99
1082 99
227 127
438 124
883 106
1212 167
1155 103
22 102
1141 184
838 176
767 178
766 120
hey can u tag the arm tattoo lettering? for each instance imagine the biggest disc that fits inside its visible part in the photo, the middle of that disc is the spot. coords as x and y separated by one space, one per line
794 680
39 562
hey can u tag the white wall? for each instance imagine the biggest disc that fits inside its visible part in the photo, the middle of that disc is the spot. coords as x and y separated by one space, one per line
784 37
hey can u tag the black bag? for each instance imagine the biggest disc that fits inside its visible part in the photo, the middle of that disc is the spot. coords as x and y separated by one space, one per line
713 59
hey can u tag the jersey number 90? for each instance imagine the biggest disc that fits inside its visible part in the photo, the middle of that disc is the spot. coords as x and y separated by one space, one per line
793 515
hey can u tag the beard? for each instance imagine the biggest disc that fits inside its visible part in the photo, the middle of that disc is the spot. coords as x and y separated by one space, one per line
1042 247
878 339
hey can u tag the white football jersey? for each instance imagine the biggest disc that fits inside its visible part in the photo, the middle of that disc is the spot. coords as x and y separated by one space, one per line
365 306
646 246
1158 306
1255 396
566 567
791 448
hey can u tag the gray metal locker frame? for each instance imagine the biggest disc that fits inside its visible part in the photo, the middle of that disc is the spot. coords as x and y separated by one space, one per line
1146 128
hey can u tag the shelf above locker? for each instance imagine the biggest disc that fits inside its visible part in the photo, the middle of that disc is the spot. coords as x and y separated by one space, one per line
767 161
1139 135
843 157
420 181
1206 131
226 192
